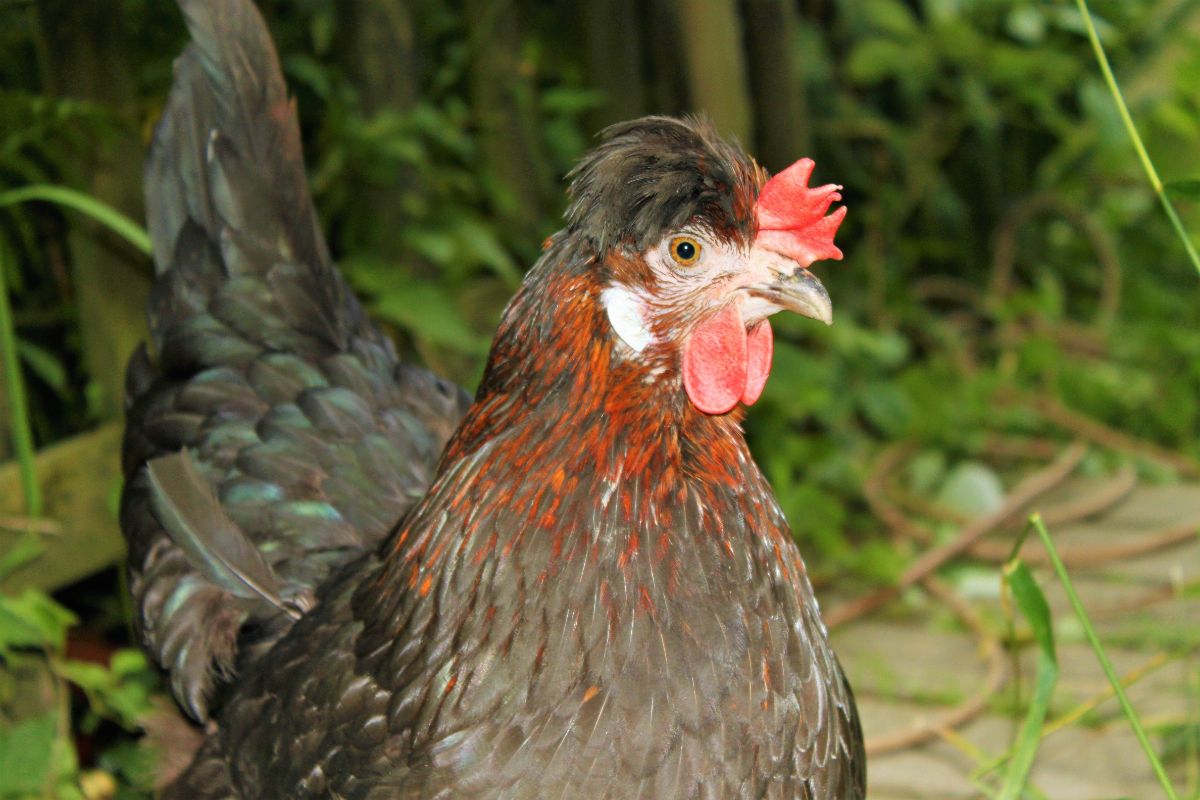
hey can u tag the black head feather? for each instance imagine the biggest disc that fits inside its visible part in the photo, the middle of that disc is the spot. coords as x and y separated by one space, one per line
653 175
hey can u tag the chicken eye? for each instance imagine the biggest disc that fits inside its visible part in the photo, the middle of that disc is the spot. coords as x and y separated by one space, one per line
685 250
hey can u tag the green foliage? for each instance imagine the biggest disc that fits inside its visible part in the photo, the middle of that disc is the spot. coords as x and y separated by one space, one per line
987 174
1134 136
421 225
45 142
37 756
31 756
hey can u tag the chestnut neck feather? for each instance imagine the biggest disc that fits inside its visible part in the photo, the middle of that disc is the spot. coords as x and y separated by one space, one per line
555 372
584 461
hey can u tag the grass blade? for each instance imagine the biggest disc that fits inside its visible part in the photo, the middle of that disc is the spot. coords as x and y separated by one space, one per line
1090 632
1131 129
101 212
1033 606
22 436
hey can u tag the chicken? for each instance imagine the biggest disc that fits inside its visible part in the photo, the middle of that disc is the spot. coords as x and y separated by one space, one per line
579 585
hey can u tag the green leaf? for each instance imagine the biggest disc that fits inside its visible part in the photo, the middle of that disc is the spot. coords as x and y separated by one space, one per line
136 762
129 661
1184 190
1033 606
1027 23
890 16
479 241
817 518
33 619
27 751
873 61
122 696
435 244
101 212
878 561
570 100
1181 742
84 674
45 364
428 310
27 548
887 408
305 70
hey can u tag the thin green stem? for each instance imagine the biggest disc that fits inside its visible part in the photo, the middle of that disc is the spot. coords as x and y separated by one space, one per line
1131 129
1090 632
18 407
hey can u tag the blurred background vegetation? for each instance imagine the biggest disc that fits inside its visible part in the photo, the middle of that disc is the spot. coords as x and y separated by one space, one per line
1009 282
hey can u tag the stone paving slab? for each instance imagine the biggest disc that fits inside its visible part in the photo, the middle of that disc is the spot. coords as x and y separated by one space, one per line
906 667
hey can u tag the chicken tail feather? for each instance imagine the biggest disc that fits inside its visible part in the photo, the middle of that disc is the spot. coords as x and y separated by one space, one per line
192 516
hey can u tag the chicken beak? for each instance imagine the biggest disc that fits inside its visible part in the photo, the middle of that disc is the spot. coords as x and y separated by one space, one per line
800 292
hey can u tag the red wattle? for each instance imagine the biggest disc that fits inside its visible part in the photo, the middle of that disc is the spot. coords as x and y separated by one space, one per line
722 364
715 362
760 345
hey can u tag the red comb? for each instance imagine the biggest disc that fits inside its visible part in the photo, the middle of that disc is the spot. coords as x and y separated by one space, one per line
791 216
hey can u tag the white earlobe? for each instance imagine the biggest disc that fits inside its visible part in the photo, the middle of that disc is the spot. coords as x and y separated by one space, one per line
626 315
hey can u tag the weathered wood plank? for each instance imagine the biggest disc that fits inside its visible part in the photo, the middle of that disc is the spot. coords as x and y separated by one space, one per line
80 479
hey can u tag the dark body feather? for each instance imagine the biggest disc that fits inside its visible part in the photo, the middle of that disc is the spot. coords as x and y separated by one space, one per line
598 596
